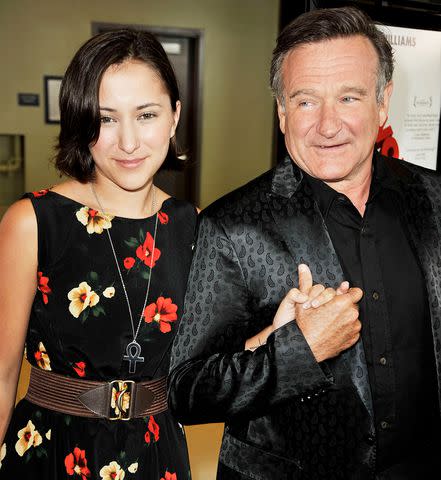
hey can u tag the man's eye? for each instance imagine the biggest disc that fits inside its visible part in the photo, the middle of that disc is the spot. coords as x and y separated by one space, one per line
305 103
348 99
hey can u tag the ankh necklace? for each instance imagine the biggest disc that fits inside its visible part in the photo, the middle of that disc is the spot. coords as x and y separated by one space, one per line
133 348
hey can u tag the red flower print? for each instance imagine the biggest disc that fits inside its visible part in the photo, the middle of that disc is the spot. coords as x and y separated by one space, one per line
40 193
76 463
144 251
163 312
169 476
129 262
163 218
43 286
153 428
80 368
42 358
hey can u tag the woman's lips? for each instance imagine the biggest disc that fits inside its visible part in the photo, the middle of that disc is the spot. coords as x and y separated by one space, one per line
129 163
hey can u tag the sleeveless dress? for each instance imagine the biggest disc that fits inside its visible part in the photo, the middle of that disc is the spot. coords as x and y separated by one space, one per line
79 326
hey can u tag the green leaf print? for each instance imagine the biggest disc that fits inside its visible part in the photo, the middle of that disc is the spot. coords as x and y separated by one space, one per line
28 456
93 277
145 274
98 310
132 242
84 316
122 455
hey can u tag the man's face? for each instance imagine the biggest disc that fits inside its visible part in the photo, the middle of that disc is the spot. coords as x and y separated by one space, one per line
331 116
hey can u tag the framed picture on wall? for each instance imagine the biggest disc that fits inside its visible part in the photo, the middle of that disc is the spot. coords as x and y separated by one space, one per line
52 86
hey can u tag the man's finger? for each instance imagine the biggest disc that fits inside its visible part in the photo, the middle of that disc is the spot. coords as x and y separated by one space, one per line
356 294
305 278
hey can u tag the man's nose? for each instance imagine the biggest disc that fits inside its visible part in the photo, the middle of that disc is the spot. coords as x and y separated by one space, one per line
128 138
329 123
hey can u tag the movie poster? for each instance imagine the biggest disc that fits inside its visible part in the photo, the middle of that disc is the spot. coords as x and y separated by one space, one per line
412 129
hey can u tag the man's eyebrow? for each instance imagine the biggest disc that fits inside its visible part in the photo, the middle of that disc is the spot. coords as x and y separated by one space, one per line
140 107
344 89
302 91
350 88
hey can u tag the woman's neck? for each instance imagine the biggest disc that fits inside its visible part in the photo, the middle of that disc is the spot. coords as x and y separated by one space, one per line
117 201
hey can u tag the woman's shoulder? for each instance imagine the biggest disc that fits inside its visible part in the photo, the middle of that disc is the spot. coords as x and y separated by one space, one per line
56 200
179 217
57 224
180 209
19 223
53 207
20 216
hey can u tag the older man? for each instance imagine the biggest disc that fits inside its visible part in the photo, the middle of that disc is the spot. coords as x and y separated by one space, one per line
313 400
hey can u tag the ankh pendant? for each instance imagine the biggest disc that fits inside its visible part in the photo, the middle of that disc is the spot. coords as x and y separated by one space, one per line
133 350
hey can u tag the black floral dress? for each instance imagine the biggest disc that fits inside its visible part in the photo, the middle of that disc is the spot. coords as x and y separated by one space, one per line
80 326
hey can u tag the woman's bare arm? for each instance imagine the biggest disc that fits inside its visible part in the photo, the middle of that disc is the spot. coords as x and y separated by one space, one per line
18 281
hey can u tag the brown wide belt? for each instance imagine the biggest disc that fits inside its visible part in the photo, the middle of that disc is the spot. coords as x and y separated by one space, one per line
115 400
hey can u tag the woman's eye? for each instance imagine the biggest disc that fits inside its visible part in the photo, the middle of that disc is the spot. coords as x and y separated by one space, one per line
106 120
147 116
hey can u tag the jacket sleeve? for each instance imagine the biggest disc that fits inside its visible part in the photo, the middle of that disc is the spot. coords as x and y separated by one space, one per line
212 377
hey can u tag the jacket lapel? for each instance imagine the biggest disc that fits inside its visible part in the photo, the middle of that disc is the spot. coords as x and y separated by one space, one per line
300 224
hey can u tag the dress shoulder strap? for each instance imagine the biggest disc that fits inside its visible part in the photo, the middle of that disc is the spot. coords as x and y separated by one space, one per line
54 226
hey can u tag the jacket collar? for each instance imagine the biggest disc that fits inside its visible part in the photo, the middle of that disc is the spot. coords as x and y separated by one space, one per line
287 177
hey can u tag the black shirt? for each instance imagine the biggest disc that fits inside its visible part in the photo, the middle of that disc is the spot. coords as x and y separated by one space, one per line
377 255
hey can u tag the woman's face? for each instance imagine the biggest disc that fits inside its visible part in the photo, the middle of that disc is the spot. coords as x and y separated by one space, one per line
137 122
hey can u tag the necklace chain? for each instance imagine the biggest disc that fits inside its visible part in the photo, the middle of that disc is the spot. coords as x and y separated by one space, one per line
134 332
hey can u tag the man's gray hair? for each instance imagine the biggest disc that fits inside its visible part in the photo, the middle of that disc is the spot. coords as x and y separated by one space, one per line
328 24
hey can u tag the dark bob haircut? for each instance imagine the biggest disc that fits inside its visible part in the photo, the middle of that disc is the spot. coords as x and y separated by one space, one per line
79 95
328 24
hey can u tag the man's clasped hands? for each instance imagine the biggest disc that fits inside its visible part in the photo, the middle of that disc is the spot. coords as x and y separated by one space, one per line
327 317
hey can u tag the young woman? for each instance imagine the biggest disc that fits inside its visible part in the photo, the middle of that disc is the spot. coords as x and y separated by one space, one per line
93 276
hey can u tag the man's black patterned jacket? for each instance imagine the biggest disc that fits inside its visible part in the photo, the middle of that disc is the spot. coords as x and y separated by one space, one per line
286 416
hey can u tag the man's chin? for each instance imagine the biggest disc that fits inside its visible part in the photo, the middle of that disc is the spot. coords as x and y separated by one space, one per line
331 176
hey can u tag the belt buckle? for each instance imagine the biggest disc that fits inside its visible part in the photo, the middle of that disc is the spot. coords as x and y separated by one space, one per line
121 399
